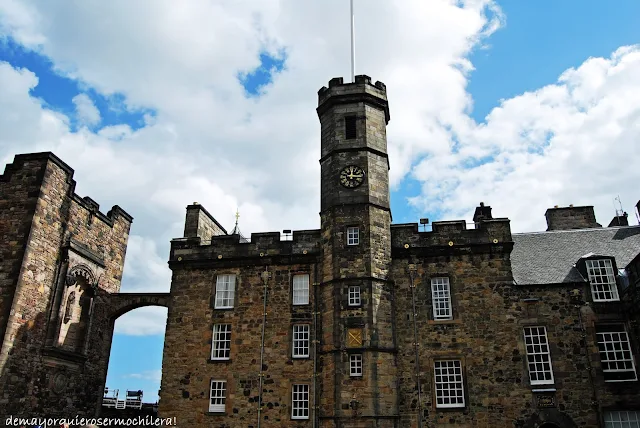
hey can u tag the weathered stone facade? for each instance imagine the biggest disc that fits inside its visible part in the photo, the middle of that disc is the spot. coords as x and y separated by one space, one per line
376 336
61 267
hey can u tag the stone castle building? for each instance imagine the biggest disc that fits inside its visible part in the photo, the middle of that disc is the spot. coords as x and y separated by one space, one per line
365 323
361 323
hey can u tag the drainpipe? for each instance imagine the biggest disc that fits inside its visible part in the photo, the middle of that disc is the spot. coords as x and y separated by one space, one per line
265 280
576 295
412 273
316 343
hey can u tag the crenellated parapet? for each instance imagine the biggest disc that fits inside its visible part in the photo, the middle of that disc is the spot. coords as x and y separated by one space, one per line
224 248
452 237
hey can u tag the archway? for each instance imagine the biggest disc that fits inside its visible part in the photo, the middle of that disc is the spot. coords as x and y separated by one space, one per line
134 353
548 425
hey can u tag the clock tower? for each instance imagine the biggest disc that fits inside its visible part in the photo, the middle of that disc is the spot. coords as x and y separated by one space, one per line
357 346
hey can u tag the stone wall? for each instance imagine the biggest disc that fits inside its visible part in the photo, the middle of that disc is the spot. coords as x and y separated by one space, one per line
68 234
199 223
187 365
567 218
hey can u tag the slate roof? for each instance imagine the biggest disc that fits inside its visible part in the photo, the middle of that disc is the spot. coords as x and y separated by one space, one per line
548 257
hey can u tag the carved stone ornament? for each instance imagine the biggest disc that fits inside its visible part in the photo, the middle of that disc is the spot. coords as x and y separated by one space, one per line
81 271
59 382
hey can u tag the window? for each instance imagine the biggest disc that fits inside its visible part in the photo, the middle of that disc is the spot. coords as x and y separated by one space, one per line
354 295
602 280
622 419
449 385
441 298
225 291
538 355
221 342
301 341
300 401
218 395
355 365
615 353
350 127
353 236
301 289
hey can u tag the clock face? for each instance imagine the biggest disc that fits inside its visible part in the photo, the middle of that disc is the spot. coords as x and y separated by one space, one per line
351 176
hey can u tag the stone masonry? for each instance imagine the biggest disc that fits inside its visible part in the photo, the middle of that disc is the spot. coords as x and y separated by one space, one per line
60 271
391 330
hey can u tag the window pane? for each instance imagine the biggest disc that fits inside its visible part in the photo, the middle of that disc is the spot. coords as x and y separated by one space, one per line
225 290
301 289
602 280
300 401
538 355
449 384
441 298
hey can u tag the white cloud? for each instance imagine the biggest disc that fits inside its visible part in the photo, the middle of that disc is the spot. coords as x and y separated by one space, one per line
86 112
153 375
146 321
207 142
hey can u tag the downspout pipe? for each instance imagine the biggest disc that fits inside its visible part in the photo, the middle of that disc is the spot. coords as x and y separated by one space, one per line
412 273
316 344
265 280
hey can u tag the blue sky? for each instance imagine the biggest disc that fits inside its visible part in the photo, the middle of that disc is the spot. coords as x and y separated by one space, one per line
536 43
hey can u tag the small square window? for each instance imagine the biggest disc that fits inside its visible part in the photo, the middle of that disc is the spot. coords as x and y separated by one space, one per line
353 236
441 299
602 280
355 365
300 401
301 289
218 396
622 419
301 341
221 343
615 353
225 291
350 127
449 384
354 295
538 355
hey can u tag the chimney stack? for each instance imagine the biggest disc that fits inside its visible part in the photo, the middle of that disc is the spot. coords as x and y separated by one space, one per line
568 218
482 213
620 220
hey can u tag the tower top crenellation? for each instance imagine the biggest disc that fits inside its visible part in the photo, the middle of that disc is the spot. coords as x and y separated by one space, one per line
362 90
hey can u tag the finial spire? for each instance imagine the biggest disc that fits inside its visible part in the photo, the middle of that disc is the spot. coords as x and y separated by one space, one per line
353 45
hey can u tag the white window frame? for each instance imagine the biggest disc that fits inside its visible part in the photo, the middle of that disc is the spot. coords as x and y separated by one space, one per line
225 291
301 339
539 364
218 396
441 299
354 295
448 378
353 235
300 401
221 342
301 289
355 365
622 419
602 280
611 343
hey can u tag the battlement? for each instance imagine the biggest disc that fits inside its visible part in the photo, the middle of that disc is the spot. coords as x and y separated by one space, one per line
225 247
32 166
362 90
450 236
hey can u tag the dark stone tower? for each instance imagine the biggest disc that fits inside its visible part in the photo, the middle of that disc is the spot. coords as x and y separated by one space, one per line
357 344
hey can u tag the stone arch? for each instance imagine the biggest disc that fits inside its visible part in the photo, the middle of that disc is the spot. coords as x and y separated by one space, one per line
114 306
550 418
76 308
121 303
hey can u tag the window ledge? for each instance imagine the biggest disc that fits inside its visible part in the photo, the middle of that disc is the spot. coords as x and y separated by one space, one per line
455 321
212 361
215 413
543 390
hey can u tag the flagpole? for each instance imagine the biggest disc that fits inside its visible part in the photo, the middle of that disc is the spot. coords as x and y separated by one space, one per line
353 45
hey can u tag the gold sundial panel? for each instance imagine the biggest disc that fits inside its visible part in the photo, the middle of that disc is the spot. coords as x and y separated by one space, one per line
354 338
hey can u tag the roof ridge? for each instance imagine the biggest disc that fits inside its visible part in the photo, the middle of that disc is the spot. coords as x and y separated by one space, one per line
577 230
